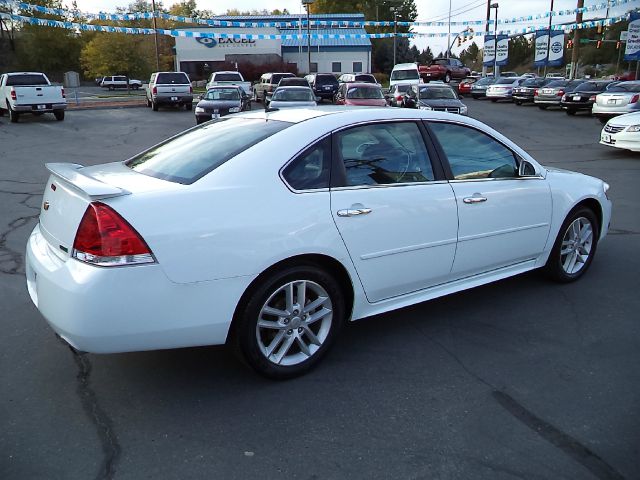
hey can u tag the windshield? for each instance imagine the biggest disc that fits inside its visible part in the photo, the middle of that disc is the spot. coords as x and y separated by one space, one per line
222 94
192 154
625 87
437 94
172 78
365 93
365 78
293 95
227 77
405 75
26 79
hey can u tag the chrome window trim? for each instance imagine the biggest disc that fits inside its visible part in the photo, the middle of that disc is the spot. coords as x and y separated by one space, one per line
387 185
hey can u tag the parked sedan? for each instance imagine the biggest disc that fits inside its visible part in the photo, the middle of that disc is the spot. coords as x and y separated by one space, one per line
360 94
464 87
396 94
551 94
526 92
502 89
221 101
432 96
583 96
287 97
479 88
622 132
617 100
210 237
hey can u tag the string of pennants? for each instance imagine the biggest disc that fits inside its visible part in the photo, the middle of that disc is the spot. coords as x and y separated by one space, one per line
250 36
295 23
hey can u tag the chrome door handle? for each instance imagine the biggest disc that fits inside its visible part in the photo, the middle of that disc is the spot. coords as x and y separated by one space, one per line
353 212
476 198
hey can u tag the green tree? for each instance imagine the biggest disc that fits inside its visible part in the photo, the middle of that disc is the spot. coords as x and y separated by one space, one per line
426 56
116 53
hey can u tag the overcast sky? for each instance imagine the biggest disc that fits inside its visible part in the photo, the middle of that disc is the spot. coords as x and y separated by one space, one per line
427 10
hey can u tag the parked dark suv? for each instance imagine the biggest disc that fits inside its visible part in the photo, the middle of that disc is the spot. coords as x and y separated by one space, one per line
583 96
324 85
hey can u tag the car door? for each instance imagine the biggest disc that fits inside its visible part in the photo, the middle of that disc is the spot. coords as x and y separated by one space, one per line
396 215
504 219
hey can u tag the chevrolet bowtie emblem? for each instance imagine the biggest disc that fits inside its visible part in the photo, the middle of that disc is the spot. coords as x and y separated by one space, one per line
46 205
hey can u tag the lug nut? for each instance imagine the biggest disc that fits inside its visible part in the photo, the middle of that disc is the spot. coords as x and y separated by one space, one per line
286 321
289 332
300 330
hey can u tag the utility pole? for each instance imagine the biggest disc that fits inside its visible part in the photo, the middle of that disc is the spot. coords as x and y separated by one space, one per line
449 33
486 32
576 43
155 34
394 10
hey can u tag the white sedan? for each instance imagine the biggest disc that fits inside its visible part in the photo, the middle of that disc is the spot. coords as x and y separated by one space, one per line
622 132
270 230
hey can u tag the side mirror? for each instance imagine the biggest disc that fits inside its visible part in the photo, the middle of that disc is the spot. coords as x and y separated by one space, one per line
526 169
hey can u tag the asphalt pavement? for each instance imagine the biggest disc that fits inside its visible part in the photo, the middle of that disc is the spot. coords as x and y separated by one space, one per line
523 378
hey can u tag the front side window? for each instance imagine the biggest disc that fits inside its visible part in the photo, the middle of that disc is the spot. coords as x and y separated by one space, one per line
473 154
191 155
311 169
383 153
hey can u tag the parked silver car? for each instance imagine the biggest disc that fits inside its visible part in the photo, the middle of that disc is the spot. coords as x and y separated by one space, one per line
286 97
617 100
502 89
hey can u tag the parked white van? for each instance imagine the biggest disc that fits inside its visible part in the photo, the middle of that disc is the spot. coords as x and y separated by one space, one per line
406 73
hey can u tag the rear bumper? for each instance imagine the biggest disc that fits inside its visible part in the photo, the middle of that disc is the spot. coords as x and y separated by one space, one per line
605 111
120 309
576 105
33 108
547 101
523 98
177 99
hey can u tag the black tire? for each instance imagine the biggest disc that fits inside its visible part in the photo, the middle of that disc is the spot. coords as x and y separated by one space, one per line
188 106
475 97
494 100
148 103
543 107
1 112
14 117
154 106
447 77
59 114
554 266
518 102
246 334
571 112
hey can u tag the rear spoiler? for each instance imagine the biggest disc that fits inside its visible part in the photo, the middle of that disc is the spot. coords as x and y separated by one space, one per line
89 186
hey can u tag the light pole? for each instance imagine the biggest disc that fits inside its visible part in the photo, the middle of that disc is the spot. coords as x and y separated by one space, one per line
394 10
546 64
495 42
155 33
449 33
307 4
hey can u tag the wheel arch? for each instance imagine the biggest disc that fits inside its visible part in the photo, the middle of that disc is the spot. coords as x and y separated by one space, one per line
325 262
593 205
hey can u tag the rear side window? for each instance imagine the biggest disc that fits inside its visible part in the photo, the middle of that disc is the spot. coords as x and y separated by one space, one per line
311 169
26 80
473 154
172 78
191 155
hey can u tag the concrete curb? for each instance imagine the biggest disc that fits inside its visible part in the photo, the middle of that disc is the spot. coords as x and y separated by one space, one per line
106 106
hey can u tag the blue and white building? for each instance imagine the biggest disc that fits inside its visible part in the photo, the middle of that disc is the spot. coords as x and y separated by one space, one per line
197 56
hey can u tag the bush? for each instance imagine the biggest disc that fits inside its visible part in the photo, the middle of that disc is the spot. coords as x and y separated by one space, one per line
383 79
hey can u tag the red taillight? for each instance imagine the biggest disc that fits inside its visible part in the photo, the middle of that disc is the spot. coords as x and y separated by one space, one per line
105 238
398 97
154 90
63 95
535 92
190 89
635 98
560 93
13 94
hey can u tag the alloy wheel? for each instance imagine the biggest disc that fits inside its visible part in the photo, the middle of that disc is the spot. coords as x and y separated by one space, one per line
577 244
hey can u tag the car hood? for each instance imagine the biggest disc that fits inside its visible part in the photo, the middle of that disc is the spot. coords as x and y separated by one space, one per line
439 102
626 120
218 103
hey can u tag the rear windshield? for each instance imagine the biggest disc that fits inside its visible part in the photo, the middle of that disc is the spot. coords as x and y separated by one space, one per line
558 83
405 75
192 154
23 80
172 78
590 87
403 87
293 95
227 77
366 78
276 77
486 81
533 82
505 81
365 93
326 80
625 87
293 82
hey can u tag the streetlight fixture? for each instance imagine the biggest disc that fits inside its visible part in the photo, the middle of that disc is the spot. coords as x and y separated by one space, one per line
307 4
495 41
394 10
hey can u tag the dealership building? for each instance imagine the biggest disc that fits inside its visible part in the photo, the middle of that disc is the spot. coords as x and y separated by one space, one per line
198 56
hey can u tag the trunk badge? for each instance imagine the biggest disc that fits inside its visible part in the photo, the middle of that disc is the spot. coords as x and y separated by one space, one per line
46 205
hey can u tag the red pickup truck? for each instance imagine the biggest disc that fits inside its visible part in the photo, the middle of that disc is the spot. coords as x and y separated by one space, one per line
446 69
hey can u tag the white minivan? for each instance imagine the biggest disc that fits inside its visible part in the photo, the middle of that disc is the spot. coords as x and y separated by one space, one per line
406 73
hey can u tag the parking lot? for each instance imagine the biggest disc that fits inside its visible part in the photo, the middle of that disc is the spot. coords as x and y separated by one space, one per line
523 378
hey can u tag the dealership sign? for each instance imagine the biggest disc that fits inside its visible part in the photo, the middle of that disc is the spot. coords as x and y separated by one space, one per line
555 56
491 44
489 50
502 50
225 42
632 50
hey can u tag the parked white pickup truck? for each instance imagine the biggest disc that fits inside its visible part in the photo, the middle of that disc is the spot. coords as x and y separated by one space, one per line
225 79
30 92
